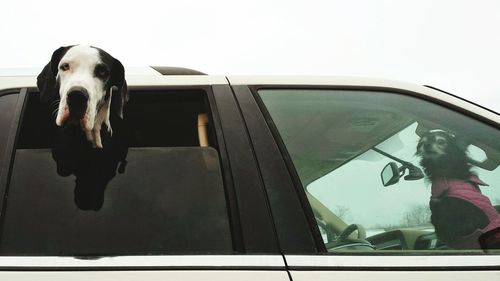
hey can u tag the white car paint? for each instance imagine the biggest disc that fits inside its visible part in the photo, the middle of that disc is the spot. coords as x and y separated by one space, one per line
233 267
157 275
354 275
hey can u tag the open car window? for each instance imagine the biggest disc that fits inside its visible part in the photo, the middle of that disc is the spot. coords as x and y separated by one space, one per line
158 191
355 153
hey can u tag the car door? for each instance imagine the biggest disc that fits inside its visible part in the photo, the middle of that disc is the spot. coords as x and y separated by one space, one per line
175 207
322 145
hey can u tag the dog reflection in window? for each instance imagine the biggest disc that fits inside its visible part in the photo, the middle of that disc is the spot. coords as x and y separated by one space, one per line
88 89
461 214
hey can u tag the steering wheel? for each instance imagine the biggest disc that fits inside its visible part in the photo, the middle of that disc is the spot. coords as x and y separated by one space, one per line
344 242
344 235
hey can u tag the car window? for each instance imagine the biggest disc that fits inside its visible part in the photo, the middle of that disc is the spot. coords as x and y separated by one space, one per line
7 107
159 192
371 190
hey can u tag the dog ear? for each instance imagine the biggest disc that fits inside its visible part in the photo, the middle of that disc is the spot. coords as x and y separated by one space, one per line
46 80
461 143
120 97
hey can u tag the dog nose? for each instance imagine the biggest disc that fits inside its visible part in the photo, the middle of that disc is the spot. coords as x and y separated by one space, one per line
77 101
77 96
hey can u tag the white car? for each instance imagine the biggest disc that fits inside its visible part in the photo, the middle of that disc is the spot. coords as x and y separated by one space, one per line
244 178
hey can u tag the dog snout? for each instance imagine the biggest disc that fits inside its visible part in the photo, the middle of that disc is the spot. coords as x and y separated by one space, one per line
77 102
77 95
427 146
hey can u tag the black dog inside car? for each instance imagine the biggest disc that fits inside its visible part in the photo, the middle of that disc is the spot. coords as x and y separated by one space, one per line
460 213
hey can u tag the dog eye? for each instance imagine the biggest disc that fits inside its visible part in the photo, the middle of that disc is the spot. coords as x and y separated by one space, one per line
441 141
101 71
64 66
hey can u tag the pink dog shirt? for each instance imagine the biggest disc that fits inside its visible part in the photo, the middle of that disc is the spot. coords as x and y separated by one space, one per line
468 190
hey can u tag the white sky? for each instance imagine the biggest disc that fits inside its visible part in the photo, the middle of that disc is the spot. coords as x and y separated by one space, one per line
451 44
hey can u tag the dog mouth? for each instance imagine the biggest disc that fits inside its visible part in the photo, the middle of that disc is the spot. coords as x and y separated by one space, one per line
68 116
75 116
431 155
68 119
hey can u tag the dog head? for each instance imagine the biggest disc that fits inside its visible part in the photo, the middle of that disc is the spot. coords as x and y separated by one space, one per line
443 155
86 81
435 144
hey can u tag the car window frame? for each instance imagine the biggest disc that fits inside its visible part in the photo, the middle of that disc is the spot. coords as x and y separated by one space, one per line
323 260
296 233
253 234
8 161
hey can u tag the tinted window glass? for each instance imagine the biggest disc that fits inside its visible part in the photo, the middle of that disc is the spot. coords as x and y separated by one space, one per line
163 195
369 186
7 108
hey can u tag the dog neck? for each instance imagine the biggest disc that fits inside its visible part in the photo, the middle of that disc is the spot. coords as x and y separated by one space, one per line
447 168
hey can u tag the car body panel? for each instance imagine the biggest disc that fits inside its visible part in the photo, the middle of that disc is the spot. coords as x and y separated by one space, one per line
373 261
151 275
395 275
240 113
170 261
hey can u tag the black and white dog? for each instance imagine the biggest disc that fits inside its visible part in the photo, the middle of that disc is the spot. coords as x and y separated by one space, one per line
444 155
462 216
88 87
89 83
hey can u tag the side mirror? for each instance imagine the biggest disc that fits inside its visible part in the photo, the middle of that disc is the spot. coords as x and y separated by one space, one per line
390 174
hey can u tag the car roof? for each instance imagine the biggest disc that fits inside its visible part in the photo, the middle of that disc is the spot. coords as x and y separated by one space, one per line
34 71
174 76
9 82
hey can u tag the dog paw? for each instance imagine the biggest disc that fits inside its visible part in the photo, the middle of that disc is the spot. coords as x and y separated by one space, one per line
97 144
108 127
96 133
